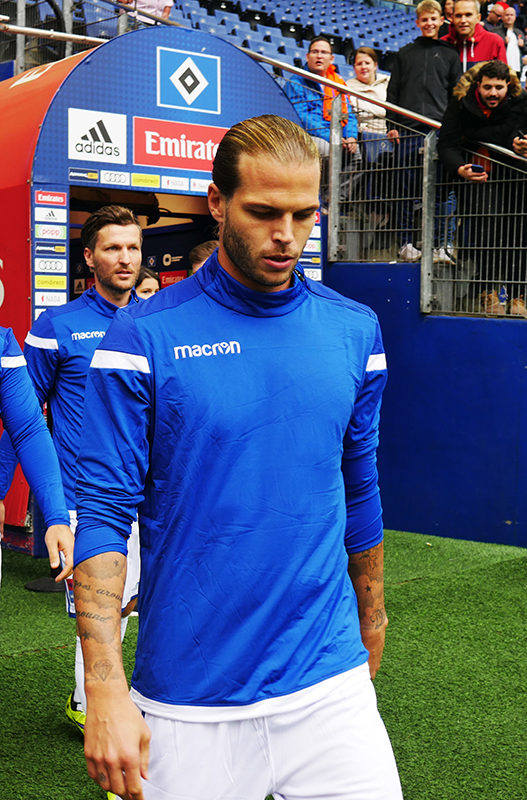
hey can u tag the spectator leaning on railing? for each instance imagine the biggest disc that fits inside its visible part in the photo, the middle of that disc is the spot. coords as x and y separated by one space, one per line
487 107
313 100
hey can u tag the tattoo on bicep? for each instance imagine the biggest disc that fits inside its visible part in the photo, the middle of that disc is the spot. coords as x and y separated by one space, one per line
86 635
368 588
103 668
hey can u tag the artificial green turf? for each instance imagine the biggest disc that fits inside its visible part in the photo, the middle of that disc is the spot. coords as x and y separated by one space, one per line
451 687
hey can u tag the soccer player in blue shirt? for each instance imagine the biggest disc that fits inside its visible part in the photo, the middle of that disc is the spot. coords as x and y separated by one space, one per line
238 412
59 349
23 420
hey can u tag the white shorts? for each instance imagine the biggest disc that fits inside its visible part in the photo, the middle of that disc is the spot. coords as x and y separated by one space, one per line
133 568
334 749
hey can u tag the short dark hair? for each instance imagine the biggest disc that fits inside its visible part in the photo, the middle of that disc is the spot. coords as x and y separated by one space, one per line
106 215
319 39
494 69
144 273
366 51
202 251
268 135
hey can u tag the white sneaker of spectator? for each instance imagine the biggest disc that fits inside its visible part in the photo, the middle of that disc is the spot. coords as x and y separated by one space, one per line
409 253
444 254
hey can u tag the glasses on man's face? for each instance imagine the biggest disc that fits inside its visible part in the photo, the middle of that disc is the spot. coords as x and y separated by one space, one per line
320 52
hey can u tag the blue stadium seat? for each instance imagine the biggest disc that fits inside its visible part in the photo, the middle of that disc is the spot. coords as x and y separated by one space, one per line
176 15
222 17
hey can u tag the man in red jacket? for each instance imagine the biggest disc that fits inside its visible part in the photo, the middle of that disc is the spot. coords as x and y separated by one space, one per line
473 42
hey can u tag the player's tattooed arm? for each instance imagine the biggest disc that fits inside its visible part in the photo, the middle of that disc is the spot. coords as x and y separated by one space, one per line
116 737
366 571
98 585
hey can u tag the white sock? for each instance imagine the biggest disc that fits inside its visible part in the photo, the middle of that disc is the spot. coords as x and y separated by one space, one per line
79 695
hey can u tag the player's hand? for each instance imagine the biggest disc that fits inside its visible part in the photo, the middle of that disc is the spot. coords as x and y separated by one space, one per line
520 146
373 641
117 744
59 538
2 518
466 172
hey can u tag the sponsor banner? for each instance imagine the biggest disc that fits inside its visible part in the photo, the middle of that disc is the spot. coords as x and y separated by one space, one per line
49 249
313 246
79 285
187 80
142 179
168 278
151 262
51 282
51 298
96 136
51 214
199 185
314 273
38 312
51 265
169 259
50 231
176 184
84 175
176 145
309 261
115 178
51 198
316 233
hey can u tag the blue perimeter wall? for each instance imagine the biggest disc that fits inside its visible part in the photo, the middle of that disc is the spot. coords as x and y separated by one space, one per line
453 451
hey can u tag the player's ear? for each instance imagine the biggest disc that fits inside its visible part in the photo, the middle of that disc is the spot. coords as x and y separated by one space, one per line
216 203
88 257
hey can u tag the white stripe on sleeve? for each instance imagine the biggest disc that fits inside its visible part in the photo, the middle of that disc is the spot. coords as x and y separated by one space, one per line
43 344
112 359
376 362
8 362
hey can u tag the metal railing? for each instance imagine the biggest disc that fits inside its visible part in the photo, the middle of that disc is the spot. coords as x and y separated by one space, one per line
390 199
393 202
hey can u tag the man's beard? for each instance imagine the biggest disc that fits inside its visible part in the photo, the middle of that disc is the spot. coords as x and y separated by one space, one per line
242 258
106 280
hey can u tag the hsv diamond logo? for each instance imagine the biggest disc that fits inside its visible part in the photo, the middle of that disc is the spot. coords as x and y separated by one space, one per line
190 81
96 136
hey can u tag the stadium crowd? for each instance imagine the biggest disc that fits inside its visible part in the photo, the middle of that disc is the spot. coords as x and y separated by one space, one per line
469 81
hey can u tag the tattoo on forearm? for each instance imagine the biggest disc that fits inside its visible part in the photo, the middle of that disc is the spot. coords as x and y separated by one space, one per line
378 618
368 588
111 595
78 584
86 635
103 668
89 615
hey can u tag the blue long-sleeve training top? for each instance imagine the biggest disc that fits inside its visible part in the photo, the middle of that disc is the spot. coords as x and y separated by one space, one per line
23 421
244 427
58 350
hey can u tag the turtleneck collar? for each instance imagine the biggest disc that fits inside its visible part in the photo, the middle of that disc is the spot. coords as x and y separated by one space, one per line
102 305
225 289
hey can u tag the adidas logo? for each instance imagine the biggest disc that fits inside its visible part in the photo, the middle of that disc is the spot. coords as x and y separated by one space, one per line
97 142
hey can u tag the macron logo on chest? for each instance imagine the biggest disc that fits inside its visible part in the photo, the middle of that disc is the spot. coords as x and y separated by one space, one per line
197 350
88 335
